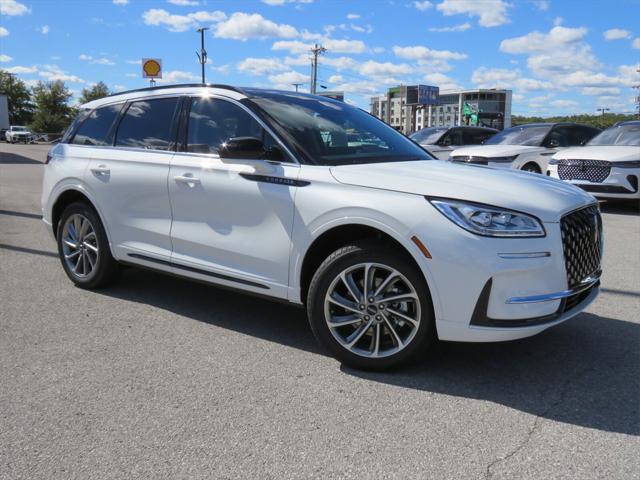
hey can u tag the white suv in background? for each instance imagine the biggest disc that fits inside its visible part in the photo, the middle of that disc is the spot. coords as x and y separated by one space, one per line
262 191
608 167
17 133
525 147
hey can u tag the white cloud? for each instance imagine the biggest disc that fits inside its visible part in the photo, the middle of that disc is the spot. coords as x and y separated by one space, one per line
600 91
339 63
3 32
120 2
353 16
184 3
442 81
617 34
96 61
85 57
490 13
13 8
5 58
377 69
419 52
344 46
53 73
292 46
422 6
132 75
44 29
286 79
243 26
456 28
134 62
335 79
360 29
178 76
223 69
557 37
564 104
21 70
636 43
180 23
542 4
485 77
261 66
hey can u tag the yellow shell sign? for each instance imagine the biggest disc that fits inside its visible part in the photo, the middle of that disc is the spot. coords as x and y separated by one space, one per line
151 68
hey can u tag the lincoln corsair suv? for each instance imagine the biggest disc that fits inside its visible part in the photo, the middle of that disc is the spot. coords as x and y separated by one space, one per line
263 191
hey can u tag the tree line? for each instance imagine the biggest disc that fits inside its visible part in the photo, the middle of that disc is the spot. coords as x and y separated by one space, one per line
45 106
599 121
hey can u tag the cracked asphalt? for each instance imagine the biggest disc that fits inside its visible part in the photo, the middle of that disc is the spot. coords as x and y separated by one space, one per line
157 377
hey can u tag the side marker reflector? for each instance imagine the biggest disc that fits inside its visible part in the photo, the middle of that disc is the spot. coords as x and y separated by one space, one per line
421 246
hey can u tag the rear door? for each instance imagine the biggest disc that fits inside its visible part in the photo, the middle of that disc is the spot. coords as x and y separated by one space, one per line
129 179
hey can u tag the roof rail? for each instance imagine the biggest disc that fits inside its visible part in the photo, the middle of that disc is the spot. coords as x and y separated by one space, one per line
179 85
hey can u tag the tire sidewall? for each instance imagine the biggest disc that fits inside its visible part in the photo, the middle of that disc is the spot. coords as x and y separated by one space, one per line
369 253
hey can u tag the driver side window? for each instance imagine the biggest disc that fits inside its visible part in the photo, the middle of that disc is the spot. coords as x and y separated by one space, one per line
213 121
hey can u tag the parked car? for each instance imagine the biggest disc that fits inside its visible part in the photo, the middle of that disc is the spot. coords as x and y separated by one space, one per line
259 190
607 167
441 141
3 132
526 147
17 133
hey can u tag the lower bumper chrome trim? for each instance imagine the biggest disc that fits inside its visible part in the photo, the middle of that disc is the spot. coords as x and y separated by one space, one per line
584 285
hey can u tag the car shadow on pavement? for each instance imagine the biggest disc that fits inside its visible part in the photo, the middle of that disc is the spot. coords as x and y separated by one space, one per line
621 207
584 372
8 158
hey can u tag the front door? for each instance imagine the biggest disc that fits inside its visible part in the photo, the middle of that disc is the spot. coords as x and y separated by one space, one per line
232 220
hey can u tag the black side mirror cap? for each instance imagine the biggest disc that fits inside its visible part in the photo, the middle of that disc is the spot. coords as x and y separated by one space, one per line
242 148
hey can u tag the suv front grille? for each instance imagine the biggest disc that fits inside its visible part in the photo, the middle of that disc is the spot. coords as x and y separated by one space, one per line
470 159
582 243
590 170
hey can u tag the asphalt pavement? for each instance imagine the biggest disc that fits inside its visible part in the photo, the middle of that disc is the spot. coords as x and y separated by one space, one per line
158 377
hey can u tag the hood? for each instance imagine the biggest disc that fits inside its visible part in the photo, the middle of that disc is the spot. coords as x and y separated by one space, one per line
546 198
489 151
612 153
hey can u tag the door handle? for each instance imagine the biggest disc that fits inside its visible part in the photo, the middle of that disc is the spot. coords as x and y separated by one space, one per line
187 179
101 170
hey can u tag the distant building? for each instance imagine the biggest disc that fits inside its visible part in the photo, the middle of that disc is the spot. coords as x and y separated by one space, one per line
490 107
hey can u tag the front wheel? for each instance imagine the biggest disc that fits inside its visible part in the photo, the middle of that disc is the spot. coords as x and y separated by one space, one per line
83 247
531 168
370 306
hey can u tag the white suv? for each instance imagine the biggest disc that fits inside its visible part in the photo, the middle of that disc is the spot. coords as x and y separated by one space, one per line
17 133
262 191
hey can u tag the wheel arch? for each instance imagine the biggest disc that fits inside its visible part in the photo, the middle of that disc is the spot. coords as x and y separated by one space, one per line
336 236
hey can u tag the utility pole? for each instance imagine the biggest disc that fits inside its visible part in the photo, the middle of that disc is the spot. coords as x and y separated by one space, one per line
202 56
637 88
296 85
315 51
602 109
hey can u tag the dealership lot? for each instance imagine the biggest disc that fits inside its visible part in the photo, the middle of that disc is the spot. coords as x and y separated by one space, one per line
164 378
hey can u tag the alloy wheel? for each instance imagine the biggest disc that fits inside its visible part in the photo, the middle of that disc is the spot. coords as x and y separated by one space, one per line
80 245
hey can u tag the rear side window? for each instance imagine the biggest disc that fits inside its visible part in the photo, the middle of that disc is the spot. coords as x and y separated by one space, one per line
148 124
96 128
74 125
475 137
213 121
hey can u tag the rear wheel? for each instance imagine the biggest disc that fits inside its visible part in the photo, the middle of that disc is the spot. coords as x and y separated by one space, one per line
370 306
83 247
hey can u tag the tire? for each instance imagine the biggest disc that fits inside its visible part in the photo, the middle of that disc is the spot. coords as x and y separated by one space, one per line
531 167
367 324
86 247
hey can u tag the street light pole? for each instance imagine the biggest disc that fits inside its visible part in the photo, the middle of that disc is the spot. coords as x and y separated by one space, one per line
296 85
202 56
602 109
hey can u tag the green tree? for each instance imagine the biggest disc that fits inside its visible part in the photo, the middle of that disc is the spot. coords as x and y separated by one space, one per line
52 113
599 121
18 98
97 91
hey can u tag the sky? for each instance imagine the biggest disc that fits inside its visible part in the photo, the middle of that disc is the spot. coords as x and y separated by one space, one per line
558 56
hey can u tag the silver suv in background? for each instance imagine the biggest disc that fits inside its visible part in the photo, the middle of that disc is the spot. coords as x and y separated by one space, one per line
441 141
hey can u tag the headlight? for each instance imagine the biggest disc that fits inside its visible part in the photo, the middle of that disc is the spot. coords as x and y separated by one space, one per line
554 161
488 220
628 164
502 159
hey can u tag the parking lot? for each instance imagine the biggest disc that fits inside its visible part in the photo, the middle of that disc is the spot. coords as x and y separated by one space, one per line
158 377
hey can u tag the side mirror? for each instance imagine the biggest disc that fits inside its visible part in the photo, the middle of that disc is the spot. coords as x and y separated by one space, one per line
242 148
553 143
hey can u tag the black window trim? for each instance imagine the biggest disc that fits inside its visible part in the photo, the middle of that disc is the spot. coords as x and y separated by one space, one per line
183 133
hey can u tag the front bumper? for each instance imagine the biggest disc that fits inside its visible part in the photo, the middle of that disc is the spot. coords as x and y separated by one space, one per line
621 183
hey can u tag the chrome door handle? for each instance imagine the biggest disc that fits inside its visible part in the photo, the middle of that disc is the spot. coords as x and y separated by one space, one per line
101 170
188 179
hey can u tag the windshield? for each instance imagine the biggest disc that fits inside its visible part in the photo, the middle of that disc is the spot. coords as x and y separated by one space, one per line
19 129
334 133
618 135
428 136
530 135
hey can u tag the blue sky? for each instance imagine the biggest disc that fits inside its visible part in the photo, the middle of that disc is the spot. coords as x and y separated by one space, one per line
558 56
